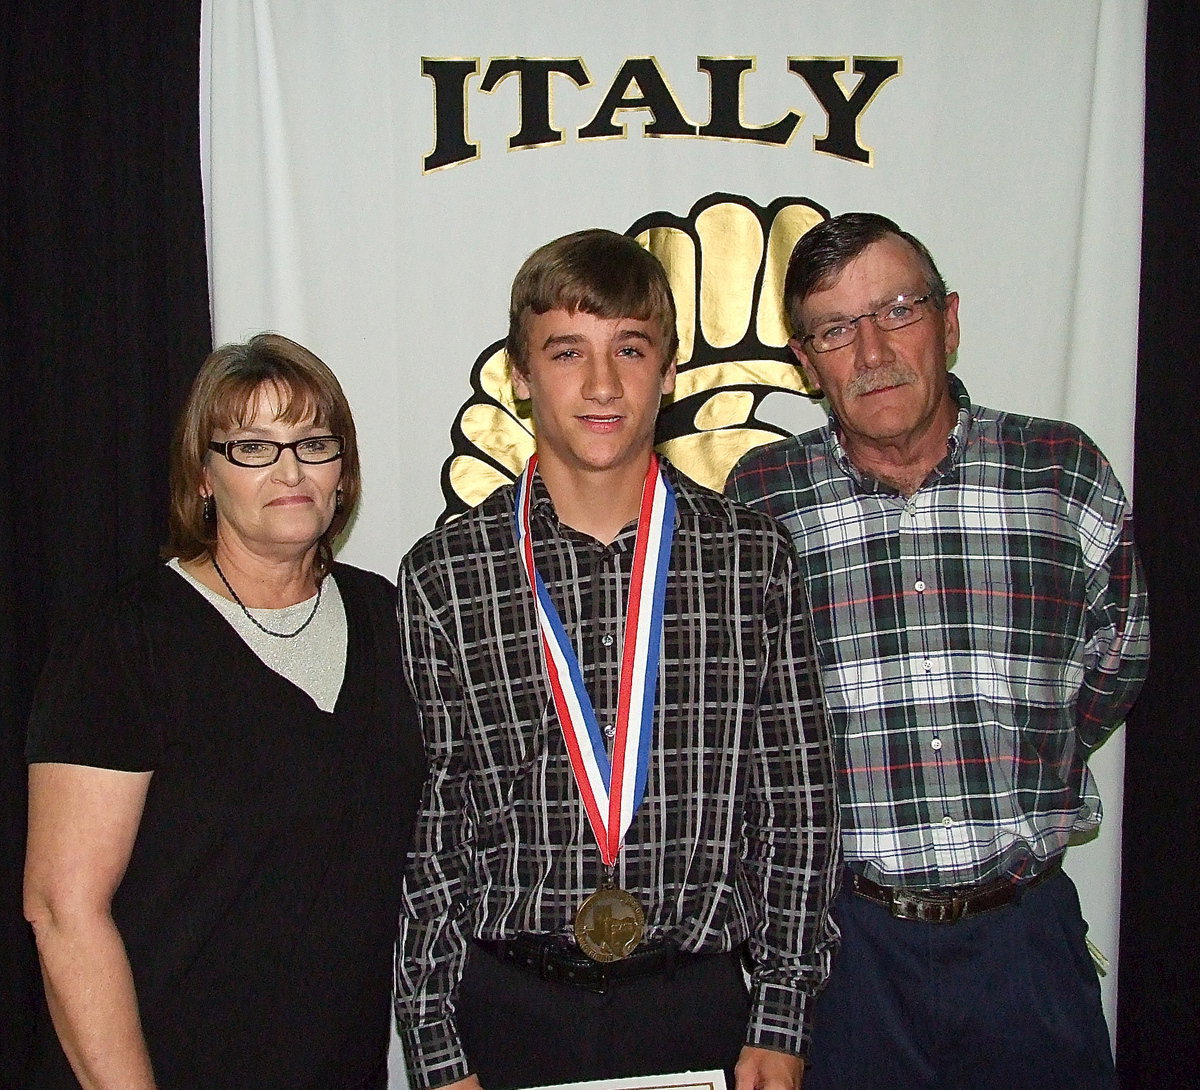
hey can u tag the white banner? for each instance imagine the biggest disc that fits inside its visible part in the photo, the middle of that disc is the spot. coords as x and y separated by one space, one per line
377 171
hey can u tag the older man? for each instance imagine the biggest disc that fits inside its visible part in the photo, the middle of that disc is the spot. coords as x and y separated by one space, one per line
981 623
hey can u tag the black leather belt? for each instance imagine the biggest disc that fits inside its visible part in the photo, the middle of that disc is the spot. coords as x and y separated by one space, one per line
949 904
554 958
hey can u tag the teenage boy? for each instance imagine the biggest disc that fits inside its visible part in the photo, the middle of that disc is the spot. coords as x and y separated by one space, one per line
630 791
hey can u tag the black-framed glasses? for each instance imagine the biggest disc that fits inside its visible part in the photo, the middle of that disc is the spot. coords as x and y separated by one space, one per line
256 453
904 310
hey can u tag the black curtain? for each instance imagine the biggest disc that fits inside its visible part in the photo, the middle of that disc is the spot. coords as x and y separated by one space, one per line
1158 1024
103 303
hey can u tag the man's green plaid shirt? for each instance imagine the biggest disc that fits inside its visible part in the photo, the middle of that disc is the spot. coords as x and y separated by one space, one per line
977 639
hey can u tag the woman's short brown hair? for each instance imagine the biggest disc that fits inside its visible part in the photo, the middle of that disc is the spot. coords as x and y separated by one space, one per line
595 272
222 398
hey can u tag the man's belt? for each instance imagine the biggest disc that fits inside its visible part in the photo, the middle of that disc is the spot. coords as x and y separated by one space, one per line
556 959
949 904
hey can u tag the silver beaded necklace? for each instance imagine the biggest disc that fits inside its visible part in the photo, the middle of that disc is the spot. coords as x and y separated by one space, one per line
254 621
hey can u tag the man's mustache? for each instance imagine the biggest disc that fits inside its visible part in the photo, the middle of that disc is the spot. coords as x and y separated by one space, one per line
892 375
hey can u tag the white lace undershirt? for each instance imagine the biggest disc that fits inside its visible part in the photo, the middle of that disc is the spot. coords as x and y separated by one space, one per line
315 660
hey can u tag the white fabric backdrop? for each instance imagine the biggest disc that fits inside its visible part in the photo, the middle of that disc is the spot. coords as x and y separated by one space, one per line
1010 142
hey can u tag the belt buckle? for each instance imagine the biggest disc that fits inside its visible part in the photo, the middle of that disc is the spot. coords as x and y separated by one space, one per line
927 910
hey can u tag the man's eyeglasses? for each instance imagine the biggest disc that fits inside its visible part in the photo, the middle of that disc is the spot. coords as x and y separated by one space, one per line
904 310
256 453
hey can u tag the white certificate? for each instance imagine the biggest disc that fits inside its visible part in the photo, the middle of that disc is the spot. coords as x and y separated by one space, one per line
687 1080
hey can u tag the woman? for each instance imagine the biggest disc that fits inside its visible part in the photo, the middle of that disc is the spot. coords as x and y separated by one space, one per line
224 768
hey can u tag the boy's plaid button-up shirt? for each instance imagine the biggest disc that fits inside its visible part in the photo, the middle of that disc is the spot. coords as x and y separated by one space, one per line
736 838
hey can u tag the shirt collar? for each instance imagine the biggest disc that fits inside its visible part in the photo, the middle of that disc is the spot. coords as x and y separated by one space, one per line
542 506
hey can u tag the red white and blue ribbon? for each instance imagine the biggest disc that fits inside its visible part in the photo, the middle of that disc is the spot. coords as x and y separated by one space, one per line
612 789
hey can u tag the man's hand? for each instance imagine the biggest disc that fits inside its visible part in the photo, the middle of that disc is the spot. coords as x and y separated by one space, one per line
765 1069
471 1082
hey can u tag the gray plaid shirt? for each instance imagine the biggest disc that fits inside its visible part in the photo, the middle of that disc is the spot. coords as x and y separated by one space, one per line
736 839
978 639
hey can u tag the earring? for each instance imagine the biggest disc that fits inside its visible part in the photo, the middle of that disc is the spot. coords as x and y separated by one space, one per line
209 510
337 503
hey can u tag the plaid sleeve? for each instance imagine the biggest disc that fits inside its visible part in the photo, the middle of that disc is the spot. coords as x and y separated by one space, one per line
1117 654
434 929
791 851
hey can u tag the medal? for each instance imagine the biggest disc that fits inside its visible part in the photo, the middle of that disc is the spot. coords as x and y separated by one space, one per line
611 922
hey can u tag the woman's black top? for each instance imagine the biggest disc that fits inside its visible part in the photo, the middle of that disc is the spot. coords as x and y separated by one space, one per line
259 906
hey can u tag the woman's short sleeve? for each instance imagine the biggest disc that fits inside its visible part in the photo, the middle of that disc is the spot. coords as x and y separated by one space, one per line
98 698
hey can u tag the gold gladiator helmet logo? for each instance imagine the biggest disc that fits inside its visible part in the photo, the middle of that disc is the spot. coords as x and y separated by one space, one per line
726 262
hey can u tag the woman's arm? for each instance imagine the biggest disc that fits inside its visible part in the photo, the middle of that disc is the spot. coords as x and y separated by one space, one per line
82 825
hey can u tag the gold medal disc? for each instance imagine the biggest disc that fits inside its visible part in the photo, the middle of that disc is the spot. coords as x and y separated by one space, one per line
609 924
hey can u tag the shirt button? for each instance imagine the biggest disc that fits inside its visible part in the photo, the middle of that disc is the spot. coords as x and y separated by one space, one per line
936 743
919 585
607 640
947 820
927 666
610 731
